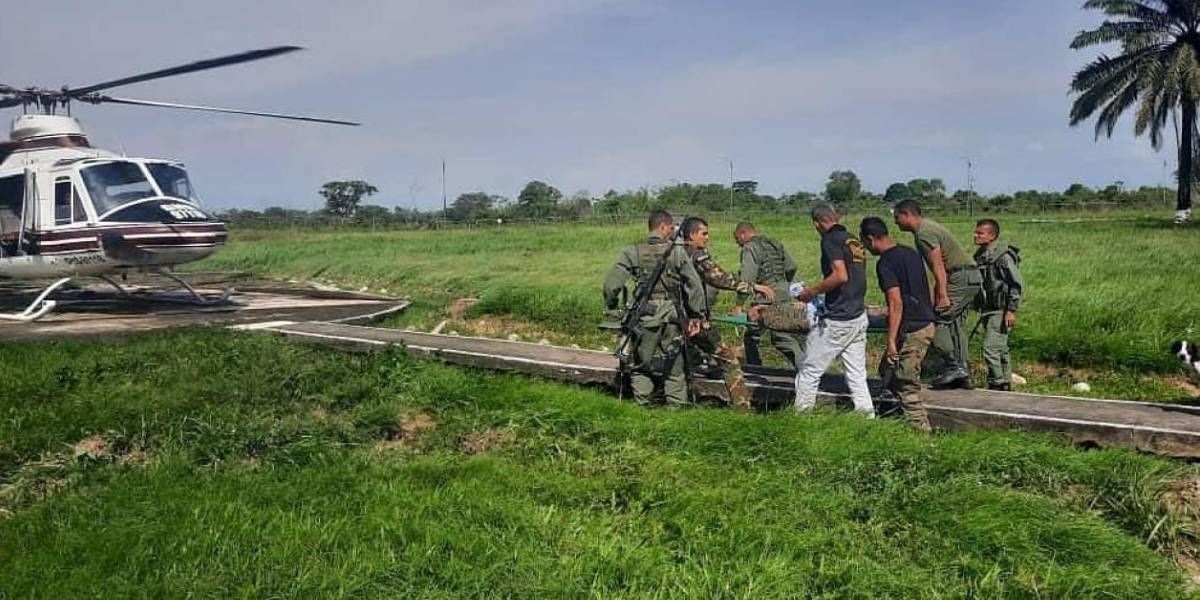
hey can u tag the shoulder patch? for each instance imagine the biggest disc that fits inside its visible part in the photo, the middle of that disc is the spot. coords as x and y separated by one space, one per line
858 253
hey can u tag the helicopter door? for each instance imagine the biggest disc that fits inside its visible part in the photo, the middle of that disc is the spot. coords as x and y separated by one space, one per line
12 198
29 205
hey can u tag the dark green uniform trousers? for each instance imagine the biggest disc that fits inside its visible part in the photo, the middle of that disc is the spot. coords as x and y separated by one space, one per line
950 340
995 349
672 382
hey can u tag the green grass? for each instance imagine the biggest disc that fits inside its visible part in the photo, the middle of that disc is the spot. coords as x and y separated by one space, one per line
1105 294
1102 293
241 465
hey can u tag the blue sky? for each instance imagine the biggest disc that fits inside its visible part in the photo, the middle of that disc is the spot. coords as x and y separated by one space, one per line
587 94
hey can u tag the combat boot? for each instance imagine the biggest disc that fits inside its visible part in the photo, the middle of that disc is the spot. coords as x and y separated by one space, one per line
1000 387
954 379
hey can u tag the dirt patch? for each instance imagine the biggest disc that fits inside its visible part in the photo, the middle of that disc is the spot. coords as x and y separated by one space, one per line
1183 497
458 309
502 328
1185 385
135 458
94 447
34 482
412 426
1044 371
481 442
1191 566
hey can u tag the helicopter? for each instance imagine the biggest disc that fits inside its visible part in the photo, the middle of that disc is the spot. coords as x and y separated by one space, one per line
69 209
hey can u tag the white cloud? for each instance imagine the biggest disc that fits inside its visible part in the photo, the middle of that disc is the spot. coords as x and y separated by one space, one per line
901 100
80 43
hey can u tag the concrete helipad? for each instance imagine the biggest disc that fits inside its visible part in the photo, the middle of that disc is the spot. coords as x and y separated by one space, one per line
95 309
1169 429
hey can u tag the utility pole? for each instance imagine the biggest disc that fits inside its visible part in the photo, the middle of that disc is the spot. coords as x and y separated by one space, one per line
970 187
730 161
443 188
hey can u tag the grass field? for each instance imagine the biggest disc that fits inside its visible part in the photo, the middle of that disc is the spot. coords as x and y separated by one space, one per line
1106 296
213 464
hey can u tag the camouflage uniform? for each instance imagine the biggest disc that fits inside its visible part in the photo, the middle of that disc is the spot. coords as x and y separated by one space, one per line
904 376
656 359
790 317
767 262
1002 289
715 278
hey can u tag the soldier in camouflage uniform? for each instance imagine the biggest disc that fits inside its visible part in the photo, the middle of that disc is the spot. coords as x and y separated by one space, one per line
695 232
998 302
767 262
656 359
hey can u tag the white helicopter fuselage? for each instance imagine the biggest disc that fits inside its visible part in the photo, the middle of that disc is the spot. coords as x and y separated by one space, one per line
67 209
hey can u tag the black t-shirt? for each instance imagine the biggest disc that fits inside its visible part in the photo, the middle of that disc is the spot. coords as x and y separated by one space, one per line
848 301
902 266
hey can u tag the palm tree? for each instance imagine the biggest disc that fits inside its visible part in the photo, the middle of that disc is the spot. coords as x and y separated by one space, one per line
1158 70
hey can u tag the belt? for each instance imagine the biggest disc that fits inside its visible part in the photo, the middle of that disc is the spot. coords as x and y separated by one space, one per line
961 268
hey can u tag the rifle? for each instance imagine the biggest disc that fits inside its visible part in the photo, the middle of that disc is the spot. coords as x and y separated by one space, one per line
681 321
641 297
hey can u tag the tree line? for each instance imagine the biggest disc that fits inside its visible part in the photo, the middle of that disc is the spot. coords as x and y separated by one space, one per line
538 200
1155 74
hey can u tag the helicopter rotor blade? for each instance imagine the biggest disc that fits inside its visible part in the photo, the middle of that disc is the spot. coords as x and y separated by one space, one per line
96 99
15 98
211 63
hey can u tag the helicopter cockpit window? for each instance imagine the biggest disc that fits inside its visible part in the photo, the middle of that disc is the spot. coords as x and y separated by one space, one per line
115 184
173 181
62 202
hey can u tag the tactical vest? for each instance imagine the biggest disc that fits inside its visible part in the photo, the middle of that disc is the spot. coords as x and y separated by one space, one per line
648 255
771 260
995 288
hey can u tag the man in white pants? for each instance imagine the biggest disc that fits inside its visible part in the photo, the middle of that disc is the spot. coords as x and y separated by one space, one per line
842 331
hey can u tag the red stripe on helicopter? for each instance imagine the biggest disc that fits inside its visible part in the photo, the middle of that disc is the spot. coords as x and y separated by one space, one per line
94 246
215 229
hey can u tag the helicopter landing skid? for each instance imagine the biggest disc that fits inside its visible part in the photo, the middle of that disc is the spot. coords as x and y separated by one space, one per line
196 297
40 305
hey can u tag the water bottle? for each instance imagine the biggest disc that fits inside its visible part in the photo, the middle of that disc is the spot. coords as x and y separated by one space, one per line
795 288
815 307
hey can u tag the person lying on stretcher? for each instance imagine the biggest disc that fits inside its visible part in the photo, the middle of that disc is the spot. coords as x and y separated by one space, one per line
792 317
796 317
